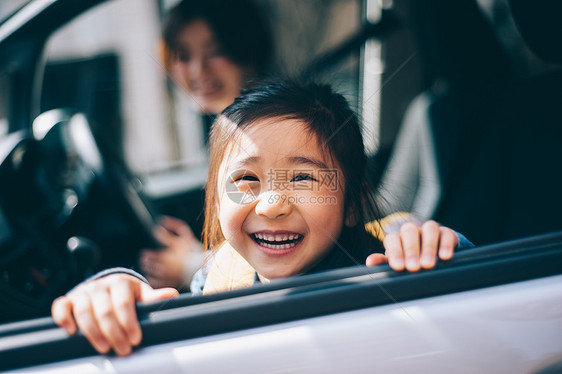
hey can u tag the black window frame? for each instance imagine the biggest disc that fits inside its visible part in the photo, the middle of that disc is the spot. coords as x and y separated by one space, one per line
40 341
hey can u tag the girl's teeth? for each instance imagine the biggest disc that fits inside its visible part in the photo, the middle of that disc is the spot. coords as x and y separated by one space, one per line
277 238
278 246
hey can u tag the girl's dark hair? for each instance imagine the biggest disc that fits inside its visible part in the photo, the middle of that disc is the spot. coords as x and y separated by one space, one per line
238 25
327 116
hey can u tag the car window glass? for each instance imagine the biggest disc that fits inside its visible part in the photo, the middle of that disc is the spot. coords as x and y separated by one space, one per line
3 104
9 7
108 63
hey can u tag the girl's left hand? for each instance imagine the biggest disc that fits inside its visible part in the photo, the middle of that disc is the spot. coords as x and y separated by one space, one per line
415 247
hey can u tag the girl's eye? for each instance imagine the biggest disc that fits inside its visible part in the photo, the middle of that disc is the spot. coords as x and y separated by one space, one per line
248 178
303 177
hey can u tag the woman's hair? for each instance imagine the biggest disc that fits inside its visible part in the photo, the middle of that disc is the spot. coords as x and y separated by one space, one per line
238 25
328 118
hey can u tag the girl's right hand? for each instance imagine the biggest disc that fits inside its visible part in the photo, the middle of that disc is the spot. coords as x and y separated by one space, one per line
104 311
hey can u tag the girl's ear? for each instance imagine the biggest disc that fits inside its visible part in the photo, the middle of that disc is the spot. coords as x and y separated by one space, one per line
350 218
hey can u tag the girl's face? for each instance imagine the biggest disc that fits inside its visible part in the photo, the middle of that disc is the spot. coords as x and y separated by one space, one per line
200 66
281 198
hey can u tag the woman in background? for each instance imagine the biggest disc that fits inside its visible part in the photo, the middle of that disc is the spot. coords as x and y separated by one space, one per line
212 50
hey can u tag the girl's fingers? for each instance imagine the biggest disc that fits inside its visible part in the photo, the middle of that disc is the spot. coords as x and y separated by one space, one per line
447 243
104 311
107 321
87 323
148 294
123 300
404 250
430 241
376 259
61 310
394 252
410 238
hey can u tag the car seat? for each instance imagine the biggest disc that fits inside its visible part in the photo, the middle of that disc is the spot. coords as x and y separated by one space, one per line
504 178
470 71
511 187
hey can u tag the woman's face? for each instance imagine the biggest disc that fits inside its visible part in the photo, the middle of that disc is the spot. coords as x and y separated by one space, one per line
200 66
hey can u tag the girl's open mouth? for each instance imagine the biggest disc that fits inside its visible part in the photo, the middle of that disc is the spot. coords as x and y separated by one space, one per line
277 241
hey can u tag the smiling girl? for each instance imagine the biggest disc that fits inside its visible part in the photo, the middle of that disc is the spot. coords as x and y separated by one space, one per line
298 151
287 194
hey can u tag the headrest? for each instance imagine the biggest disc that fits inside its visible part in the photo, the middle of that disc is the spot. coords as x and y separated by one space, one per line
539 22
458 44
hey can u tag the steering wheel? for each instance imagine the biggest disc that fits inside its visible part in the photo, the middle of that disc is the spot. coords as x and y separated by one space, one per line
94 193
68 208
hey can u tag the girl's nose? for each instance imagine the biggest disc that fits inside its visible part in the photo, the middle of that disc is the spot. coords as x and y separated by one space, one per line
272 204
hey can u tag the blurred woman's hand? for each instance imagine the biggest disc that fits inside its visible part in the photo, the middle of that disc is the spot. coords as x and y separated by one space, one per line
175 264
